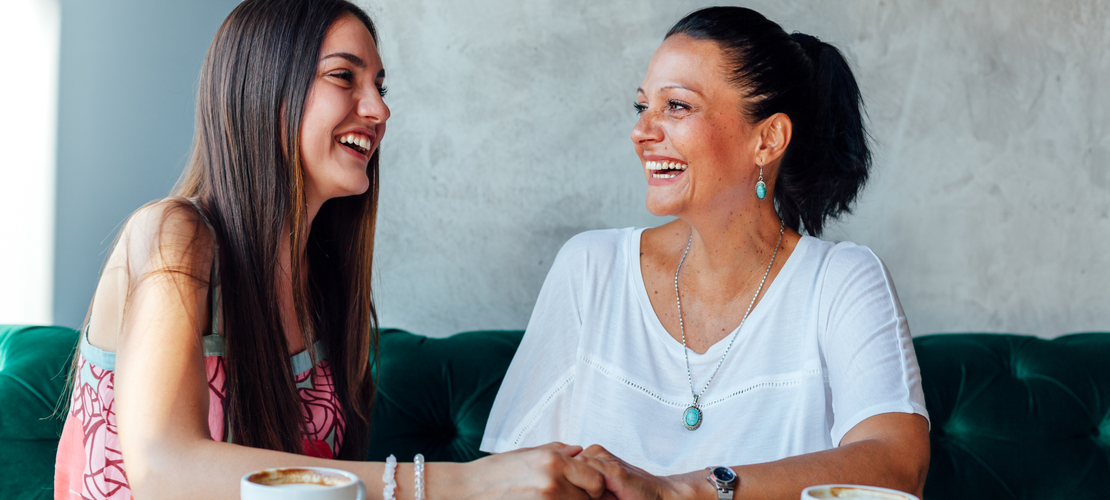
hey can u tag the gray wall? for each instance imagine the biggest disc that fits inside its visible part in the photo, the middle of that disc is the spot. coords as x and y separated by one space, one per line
990 201
126 104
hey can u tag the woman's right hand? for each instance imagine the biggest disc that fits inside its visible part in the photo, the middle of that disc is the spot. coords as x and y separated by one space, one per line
548 471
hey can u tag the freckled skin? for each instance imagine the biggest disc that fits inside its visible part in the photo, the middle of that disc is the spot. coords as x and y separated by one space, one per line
693 114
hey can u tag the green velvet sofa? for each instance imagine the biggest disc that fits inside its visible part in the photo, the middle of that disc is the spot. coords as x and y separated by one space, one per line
1013 417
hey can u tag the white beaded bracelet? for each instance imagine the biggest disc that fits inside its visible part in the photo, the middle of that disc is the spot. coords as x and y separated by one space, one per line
418 476
389 478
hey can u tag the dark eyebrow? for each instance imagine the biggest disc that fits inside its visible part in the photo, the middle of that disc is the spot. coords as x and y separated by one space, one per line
356 60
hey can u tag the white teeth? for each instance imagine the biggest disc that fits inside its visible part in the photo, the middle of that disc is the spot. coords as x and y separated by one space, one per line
355 140
663 165
663 176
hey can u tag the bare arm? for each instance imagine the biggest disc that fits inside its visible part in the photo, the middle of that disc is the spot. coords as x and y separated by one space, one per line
890 450
161 393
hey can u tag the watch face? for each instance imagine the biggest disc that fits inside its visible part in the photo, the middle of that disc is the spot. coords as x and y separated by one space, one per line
724 474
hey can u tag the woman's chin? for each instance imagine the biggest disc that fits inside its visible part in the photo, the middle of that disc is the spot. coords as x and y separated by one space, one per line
353 188
660 207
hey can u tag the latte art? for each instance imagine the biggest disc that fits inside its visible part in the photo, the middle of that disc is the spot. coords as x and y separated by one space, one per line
853 492
301 483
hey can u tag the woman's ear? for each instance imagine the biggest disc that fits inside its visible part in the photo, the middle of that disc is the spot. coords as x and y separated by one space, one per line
774 135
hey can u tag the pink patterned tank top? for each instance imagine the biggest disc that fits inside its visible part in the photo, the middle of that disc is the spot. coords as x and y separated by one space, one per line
90 461
90 464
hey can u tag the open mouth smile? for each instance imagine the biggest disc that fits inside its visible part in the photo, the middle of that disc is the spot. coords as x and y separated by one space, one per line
665 169
358 142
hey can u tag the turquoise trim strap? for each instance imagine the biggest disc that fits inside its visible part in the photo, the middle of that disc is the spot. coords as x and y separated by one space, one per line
96 356
214 273
213 345
301 362
215 308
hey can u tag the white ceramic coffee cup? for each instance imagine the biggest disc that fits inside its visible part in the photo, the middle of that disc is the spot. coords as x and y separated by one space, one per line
301 483
853 491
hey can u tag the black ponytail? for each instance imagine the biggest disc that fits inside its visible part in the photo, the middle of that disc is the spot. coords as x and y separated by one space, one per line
827 161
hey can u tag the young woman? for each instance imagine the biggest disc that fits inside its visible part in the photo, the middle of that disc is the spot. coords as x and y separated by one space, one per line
726 338
233 325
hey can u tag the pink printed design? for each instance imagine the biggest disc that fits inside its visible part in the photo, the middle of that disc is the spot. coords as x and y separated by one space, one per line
217 385
92 421
94 407
322 413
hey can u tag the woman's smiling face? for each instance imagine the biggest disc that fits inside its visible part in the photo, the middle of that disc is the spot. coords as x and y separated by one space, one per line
692 137
344 115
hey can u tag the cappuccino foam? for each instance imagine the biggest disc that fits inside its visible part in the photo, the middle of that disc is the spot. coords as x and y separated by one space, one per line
302 478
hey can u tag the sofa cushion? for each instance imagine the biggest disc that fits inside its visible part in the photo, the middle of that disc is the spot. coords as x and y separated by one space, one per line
34 368
1017 417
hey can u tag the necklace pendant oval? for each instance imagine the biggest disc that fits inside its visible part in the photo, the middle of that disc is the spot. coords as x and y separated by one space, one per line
691 418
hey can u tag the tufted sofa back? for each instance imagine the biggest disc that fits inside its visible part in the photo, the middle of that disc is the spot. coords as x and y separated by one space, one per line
1013 417
434 395
1017 417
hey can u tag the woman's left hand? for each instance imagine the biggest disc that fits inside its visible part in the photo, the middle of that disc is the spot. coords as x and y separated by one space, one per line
624 481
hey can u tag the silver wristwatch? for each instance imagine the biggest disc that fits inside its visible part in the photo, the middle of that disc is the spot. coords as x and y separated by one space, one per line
725 480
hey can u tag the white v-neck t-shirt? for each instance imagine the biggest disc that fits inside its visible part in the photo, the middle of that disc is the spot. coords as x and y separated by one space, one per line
825 348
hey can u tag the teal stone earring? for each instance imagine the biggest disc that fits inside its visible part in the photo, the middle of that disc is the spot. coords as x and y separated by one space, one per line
760 187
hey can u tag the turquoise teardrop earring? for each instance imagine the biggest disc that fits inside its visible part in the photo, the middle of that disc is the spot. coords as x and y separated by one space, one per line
760 187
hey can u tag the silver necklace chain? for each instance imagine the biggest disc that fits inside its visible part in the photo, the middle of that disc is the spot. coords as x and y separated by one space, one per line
678 300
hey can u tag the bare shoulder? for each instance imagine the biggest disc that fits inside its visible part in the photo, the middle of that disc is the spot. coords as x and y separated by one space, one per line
164 241
167 234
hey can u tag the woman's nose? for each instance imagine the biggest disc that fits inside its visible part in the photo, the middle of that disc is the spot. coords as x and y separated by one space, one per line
372 106
646 130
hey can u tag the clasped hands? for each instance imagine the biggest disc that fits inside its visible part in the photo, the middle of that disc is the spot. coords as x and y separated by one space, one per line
560 471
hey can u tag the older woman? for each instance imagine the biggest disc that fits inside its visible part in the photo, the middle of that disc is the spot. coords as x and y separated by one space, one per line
726 338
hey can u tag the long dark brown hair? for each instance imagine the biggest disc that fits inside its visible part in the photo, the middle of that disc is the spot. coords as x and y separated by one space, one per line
245 172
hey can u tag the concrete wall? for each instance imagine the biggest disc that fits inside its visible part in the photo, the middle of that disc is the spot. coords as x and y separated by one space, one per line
991 194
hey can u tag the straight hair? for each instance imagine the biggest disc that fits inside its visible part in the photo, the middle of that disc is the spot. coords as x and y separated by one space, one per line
245 172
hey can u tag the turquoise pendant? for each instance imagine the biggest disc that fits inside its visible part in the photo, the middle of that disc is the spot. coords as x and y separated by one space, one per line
691 418
761 190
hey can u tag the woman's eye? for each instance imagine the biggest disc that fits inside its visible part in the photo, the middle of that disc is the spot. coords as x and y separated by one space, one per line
383 90
639 107
343 75
678 106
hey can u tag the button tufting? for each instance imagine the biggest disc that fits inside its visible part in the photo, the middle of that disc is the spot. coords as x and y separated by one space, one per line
447 433
1101 433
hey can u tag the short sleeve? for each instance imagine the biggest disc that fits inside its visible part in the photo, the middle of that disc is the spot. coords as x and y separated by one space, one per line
868 349
531 405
